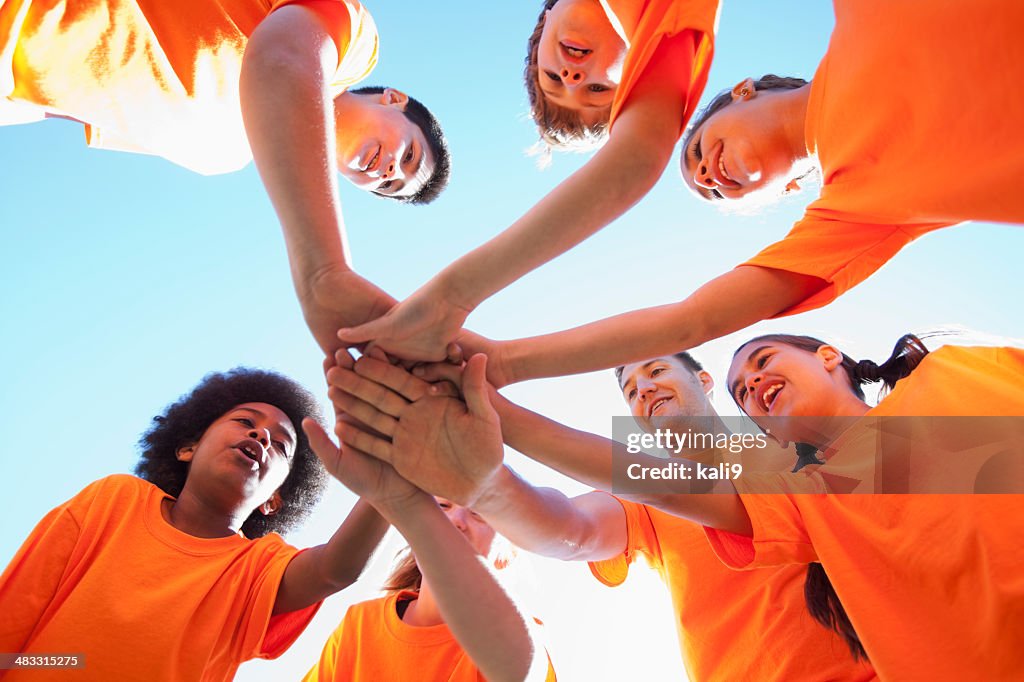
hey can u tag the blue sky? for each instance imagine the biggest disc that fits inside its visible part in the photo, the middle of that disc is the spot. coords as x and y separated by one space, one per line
125 279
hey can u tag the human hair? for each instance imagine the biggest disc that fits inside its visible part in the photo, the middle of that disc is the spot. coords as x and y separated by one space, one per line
559 128
184 422
905 357
683 357
819 595
723 99
422 118
406 575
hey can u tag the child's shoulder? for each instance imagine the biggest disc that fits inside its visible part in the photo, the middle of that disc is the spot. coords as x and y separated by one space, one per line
111 489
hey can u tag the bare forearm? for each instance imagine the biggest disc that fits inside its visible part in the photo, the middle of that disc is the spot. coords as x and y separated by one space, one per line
544 521
483 618
591 459
325 569
289 119
733 301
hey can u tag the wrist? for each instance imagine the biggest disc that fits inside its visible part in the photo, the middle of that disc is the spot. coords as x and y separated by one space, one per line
493 494
454 289
399 511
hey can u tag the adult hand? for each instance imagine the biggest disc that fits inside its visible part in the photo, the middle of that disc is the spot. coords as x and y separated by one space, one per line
444 446
339 297
370 478
417 329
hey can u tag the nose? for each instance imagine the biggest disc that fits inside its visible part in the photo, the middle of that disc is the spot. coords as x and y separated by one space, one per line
702 176
262 435
752 381
645 387
391 170
457 515
572 76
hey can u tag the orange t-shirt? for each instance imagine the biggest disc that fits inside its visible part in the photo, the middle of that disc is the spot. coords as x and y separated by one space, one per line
644 24
152 76
373 644
915 115
931 583
732 625
106 576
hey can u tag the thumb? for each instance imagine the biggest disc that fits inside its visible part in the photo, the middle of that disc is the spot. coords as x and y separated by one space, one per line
474 387
327 451
368 331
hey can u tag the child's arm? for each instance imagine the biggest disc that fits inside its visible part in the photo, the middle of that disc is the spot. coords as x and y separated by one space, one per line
289 118
320 571
481 616
728 303
616 178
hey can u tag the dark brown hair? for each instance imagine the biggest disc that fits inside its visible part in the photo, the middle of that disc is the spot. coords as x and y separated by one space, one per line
559 127
406 574
684 359
820 596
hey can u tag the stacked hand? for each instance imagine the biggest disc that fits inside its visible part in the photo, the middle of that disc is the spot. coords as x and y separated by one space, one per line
435 441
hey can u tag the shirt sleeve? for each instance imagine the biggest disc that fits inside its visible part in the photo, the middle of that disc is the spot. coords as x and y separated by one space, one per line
354 34
842 254
779 535
264 634
640 537
324 669
30 582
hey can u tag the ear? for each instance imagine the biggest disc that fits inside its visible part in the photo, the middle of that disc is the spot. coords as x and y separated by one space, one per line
830 356
706 382
395 98
273 505
744 90
186 452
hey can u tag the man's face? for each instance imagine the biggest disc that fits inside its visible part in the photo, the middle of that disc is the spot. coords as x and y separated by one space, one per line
379 149
664 387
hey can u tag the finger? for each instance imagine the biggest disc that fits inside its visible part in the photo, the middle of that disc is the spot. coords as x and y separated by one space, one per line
372 445
454 353
363 333
474 387
366 413
439 371
328 363
381 397
344 417
325 450
376 352
343 358
393 377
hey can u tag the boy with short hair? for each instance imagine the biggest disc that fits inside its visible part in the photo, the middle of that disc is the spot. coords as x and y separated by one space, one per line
211 84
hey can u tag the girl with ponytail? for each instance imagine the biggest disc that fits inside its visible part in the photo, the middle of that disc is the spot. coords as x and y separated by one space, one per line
922 585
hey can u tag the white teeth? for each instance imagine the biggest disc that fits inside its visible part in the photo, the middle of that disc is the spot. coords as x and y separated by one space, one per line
766 397
658 403
721 167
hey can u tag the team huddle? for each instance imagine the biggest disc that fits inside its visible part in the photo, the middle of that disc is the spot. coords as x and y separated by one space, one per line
818 563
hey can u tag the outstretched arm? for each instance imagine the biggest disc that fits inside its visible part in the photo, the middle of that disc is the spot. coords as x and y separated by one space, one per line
289 119
481 615
728 303
618 176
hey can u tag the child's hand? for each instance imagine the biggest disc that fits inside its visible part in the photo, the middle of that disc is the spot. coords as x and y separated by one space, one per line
368 477
418 328
447 447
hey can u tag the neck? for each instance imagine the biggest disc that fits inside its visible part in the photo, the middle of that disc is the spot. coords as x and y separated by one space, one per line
709 422
193 514
791 109
423 612
830 428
